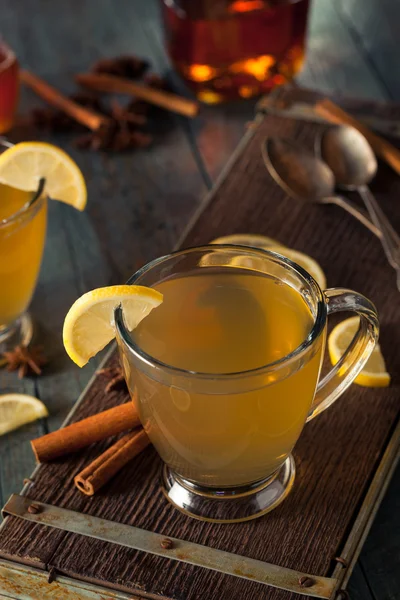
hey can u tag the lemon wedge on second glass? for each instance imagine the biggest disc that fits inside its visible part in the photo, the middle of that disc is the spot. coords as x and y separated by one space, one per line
89 324
23 165
374 373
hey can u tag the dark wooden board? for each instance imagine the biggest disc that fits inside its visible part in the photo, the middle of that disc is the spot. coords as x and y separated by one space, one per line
336 455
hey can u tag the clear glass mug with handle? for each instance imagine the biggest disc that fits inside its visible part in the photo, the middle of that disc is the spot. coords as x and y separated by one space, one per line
226 438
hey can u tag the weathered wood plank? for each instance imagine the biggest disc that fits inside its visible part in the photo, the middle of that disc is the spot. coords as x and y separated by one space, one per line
334 62
381 553
358 587
374 27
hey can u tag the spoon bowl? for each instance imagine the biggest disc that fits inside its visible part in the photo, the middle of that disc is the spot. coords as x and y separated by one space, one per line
305 177
302 176
348 154
353 163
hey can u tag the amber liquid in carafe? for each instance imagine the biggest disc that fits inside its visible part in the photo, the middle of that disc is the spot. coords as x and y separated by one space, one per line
229 49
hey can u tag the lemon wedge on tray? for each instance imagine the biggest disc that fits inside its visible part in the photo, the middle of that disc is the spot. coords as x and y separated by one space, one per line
89 324
374 373
19 409
305 261
23 165
266 243
254 240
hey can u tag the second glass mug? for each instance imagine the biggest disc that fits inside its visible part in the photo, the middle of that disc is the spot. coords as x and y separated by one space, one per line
219 468
23 220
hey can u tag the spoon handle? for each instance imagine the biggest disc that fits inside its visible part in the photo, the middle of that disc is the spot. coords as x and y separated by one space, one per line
356 212
390 239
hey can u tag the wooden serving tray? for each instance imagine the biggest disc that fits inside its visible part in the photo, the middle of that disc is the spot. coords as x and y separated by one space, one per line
344 458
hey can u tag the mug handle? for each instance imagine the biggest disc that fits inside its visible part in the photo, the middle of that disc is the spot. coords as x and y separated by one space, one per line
346 370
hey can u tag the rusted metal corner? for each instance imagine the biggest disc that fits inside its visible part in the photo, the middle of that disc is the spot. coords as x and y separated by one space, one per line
18 582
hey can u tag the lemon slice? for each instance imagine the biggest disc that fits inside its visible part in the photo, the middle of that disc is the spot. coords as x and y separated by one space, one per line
253 240
374 373
19 409
305 261
23 165
89 324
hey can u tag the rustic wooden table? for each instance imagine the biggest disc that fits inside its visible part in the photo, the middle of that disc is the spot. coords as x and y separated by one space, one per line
140 202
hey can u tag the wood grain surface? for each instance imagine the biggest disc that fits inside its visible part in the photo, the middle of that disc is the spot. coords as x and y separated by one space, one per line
335 458
140 202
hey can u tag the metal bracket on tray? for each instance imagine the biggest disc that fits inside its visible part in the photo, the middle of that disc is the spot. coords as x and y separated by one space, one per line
172 548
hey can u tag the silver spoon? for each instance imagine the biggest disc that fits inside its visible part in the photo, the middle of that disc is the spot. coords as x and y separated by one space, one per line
353 163
306 178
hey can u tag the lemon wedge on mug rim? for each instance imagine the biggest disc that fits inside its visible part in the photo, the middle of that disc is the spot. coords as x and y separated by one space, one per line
89 324
374 373
19 409
23 166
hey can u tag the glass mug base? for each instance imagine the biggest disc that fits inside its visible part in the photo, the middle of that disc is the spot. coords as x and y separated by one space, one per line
230 505
17 333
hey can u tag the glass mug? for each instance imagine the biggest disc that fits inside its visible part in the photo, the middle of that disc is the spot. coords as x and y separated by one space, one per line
226 437
23 218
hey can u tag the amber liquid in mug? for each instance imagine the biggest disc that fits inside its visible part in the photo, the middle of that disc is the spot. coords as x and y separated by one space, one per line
220 321
21 249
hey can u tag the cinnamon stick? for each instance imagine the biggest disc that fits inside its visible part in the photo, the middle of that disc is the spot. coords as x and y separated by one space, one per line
85 432
101 470
89 118
386 151
119 85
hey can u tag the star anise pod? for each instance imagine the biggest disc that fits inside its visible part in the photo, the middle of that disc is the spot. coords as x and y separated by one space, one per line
140 139
101 139
88 100
130 67
115 377
25 360
125 115
155 81
116 135
51 120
